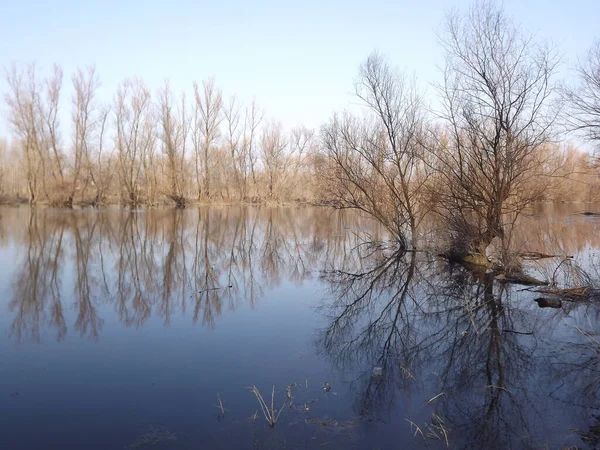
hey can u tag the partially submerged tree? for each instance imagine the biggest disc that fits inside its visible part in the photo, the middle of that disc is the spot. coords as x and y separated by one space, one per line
253 119
498 106
207 120
235 145
135 138
373 161
85 84
274 156
22 100
174 128
99 161
33 114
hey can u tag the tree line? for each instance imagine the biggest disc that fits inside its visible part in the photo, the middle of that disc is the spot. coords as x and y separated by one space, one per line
490 149
145 149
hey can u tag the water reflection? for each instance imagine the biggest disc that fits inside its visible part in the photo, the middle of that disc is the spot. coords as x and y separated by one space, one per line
37 287
459 355
492 369
371 326
197 262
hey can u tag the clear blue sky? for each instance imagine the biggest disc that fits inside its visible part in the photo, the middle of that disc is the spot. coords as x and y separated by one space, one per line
299 59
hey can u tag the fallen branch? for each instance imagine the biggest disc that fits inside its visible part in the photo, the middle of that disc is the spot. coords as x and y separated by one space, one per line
519 278
527 333
538 255
580 291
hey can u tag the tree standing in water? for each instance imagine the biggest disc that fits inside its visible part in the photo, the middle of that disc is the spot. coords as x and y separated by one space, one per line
498 106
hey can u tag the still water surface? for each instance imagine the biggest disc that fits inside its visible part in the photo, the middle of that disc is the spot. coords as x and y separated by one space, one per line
127 329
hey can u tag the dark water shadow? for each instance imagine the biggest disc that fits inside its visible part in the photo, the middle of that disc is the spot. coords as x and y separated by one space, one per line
488 368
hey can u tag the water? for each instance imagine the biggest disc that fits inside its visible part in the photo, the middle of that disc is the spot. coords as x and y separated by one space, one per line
126 330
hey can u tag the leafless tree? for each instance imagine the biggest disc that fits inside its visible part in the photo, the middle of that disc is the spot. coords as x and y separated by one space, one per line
174 125
498 106
253 119
52 138
274 157
22 113
3 166
235 147
207 120
99 168
374 160
135 137
294 179
584 98
33 114
303 144
85 84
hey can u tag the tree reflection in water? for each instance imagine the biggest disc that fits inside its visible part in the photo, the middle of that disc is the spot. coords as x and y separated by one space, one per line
157 263
498 371
481 356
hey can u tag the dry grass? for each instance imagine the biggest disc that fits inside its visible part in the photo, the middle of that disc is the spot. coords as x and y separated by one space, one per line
269 411
220 406
435 430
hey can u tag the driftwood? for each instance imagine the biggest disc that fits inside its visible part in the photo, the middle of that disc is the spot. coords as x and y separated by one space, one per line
581 291
527 333
519 278
575 294
538 255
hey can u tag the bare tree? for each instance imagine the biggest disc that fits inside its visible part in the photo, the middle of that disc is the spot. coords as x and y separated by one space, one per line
3 165
253 119
374 160
294 180
584 98
33 111
232 115
174 130
497 93
85 84
22 101
274 157
207 119
98 161
52 138
135 137
303 142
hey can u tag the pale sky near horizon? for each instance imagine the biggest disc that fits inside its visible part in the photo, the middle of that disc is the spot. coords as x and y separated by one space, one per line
299 59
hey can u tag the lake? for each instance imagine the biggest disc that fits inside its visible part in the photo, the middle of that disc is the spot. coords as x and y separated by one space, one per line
149 329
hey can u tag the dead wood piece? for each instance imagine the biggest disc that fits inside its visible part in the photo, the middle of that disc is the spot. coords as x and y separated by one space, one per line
519 278
580 291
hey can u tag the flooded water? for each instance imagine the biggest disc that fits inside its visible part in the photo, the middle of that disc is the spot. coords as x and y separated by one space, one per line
148 329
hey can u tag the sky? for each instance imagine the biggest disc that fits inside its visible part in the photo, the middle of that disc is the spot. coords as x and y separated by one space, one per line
298 59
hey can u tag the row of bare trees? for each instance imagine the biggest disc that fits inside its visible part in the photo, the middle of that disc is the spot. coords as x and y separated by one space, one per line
489 150
145 149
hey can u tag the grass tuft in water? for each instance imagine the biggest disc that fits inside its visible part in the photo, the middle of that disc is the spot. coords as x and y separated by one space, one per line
271 415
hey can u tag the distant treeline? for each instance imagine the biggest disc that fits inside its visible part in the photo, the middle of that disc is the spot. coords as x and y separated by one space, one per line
144 148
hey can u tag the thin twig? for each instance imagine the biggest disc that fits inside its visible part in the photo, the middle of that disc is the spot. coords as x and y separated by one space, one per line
270 415
220 405
432 399
417 429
